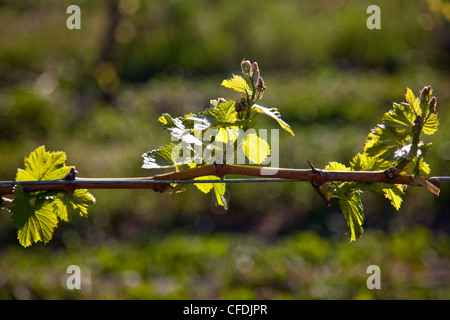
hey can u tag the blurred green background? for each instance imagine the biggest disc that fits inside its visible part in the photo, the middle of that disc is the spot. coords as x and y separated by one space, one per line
96 93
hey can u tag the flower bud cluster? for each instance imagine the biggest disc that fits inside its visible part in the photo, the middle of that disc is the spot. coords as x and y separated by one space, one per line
253 75
241 105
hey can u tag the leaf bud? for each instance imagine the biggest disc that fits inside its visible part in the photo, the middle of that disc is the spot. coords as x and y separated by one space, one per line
71 175
433 104
255 66
255 72
424 94
246 67
260 85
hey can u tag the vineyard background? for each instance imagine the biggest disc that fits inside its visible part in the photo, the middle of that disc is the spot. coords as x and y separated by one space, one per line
96 94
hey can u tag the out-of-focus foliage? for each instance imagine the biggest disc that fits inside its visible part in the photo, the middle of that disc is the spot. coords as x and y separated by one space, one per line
413 265
97 93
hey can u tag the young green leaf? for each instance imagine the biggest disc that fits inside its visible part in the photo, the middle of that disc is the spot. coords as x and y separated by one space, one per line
219 193
431 124
222 115
219 190
34 221
205 187
178 130
336 166
400 118
169 156
255 148
413 102
226 135
68 205
401 128
352 210
384 142
395 195
36 215
275 114
362 162
167 122
43 165
238 84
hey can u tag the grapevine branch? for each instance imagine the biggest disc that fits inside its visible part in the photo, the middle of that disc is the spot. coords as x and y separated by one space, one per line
316 177
394 146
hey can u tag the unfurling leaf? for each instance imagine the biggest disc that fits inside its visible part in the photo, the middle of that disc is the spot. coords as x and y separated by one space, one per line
413 101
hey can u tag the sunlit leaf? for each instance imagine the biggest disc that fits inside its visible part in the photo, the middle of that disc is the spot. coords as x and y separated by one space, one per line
34 221
178 130
166 121
413 101
362 162
35 215
226 135
205 187
237 83
431 124
224 113
68 205
255 148
43 165
219 193
219 189
395 195
384 142
275 114
352 210
400 118
221 116
169 156
336 166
